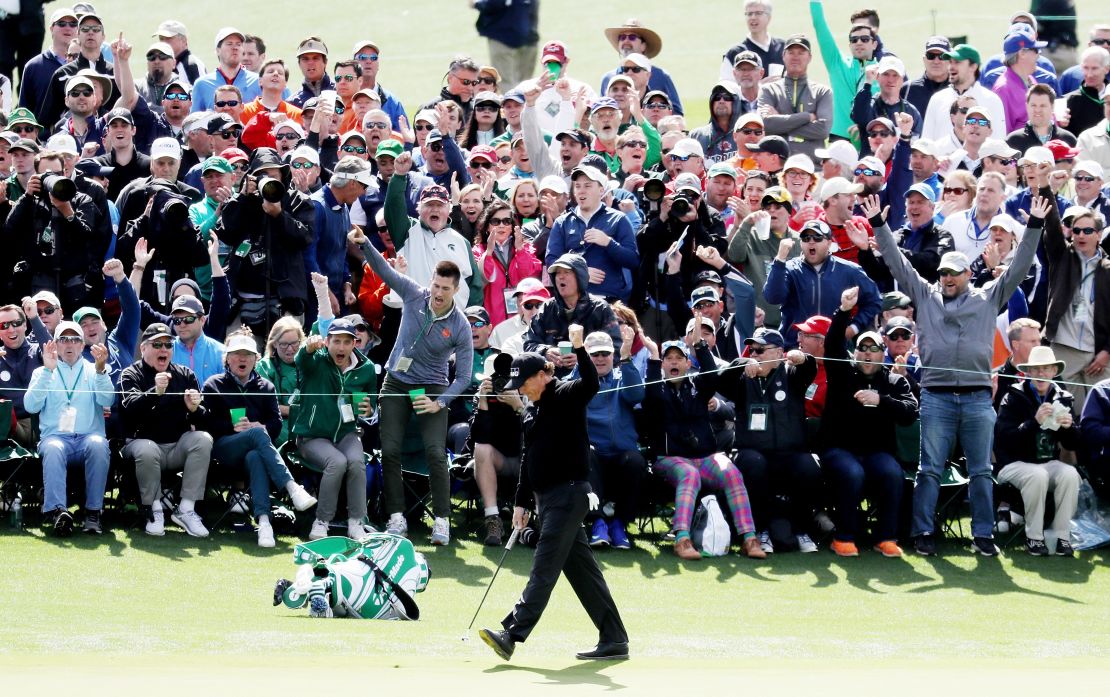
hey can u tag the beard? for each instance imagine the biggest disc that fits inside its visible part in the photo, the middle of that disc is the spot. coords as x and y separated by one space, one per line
158 75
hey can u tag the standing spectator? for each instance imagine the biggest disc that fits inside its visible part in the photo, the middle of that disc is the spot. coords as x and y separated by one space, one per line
20 358
846 72
1095 429
90 40
935 78
754 254
254 53
1094 143
716 136
273 76
312 59
1084 103
163 421
368 54
1056 25
921 240
1034 422
757 15
512 30
159 75
963 73
748 72
970 228
871 395
229 51
34 77
633 38
1039 128
433 328
505 255
956 405
188 67
887 104
462 85
1071 78
554 103
1021 52
69 395
794 107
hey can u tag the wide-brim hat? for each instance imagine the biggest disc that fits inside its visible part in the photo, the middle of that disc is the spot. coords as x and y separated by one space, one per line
654 44
1041 356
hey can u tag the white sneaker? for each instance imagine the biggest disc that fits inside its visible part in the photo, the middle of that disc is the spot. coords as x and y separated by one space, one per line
190 521
302 500
805 544
265 534
240 502
441 532
319 530
355 531
765 543
397 525
157 526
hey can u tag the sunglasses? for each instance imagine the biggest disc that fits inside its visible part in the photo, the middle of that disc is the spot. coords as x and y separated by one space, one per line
286 136
867 172
302 165
47 311
527 306
899 335
188 319
636 144
879 134
423 127
975 121
70 340
1101 42
629 37
869 348
680 158
479 323
488 108
934 56
752 131
487 81
1084 230
601 354
636 70
655 106
354 148
505 159
375 124
176 97
721 97
466 83
1005 161
958 190
949 272
760 350
227 103
66 25
860 39
230 133
23 129
86 92
345 78
481 165
366 56
436 146
500 221
1084 178
154 56
812 237
161 345
241 167
10 324
92 29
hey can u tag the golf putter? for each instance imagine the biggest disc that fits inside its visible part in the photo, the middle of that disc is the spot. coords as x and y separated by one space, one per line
508 545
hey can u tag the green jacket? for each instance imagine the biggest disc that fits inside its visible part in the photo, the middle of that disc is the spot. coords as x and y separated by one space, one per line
845 73
285 379
322 387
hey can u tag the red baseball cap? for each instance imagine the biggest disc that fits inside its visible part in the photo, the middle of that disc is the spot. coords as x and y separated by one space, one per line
232 154
554 51
1061 150
484 152
817 324
540 294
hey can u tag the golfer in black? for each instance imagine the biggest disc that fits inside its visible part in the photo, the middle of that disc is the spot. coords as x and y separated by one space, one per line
553 472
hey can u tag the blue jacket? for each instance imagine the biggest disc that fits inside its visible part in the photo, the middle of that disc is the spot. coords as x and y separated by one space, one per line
568 235
205 360
659 80
49 393
514 23
204 89
804 292
609 414
328 252
124 338
16 368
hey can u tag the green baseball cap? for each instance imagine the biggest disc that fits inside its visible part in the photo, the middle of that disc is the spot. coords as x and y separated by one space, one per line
964 52
22 115
216 163
391 147
721 168
86 312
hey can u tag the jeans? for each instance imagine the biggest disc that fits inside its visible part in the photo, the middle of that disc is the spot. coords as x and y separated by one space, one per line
252 448
59 452
396 411
946 417
850 475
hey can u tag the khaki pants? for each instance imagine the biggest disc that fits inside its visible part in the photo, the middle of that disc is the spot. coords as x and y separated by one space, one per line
1075 365
1034 481
515 64
191 453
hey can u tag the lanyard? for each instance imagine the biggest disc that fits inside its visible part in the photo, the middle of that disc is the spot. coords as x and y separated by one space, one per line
76 381
428 319
795 101
972 223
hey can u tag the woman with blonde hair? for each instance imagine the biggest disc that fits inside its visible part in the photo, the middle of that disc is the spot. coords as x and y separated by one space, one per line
286 336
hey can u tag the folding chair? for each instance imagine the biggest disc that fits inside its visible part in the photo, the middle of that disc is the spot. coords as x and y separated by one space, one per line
308 476
13 459
953 480
415 473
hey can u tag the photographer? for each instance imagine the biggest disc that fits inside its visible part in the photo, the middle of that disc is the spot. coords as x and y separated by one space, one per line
50 228
269 235
495 433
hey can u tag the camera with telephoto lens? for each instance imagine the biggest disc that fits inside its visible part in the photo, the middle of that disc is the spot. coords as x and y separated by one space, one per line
270 189
57 185
502 364
681 204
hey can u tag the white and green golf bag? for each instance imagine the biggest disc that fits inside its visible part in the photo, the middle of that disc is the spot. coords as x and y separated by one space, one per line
372 578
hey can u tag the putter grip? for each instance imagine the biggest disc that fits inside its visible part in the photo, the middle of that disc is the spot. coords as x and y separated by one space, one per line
512 538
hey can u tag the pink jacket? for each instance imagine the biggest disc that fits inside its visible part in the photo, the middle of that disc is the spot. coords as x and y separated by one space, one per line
499 279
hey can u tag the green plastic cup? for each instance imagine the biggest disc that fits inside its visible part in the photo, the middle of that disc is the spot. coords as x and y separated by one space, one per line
238 414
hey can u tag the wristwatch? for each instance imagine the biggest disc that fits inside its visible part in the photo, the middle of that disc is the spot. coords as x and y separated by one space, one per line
442 404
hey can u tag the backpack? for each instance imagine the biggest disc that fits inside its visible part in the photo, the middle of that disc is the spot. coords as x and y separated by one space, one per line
709 529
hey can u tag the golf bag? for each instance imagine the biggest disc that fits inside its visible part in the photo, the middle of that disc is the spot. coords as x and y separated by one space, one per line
371 578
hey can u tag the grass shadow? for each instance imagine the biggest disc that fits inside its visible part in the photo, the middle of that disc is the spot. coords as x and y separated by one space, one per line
585 673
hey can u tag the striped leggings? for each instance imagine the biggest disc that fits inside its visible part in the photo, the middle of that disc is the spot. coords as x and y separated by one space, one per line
688 475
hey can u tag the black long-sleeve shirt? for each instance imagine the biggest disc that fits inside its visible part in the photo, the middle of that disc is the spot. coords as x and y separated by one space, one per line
222 393
556 444
162 418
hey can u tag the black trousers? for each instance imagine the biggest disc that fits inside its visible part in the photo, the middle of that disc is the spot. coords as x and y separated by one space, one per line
618 478
563 547
771 474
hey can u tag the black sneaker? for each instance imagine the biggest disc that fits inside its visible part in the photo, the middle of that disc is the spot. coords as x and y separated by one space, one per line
985 546
1036 547
92 523
605 651
63 523
925 545
498 640
494 531
1064 548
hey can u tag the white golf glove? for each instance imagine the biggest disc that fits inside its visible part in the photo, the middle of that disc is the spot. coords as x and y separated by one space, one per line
594 500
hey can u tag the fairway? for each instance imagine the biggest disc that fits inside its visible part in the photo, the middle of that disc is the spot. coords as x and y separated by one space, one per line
199 611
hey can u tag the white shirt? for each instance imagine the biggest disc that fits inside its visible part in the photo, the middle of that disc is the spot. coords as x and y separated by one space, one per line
966 236
424 249
938 123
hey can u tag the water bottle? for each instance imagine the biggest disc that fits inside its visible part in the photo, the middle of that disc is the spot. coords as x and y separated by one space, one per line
17 513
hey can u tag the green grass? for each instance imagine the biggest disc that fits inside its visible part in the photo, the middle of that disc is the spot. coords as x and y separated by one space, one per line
129 604
418 39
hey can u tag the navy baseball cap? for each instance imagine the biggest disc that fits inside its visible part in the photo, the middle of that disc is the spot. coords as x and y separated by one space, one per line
766 337
342 326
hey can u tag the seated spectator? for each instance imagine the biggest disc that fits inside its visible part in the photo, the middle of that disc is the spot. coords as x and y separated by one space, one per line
1034 422
811 341
678 408
617 469
865 394
769 394
121 341
163 421
69 395
21 356
332 371
495 434
192 347
244 420
278 366
1083 104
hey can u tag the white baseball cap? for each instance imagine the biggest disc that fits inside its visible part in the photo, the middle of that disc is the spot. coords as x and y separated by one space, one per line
165 147
62 142
839 185
842 151
553 182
